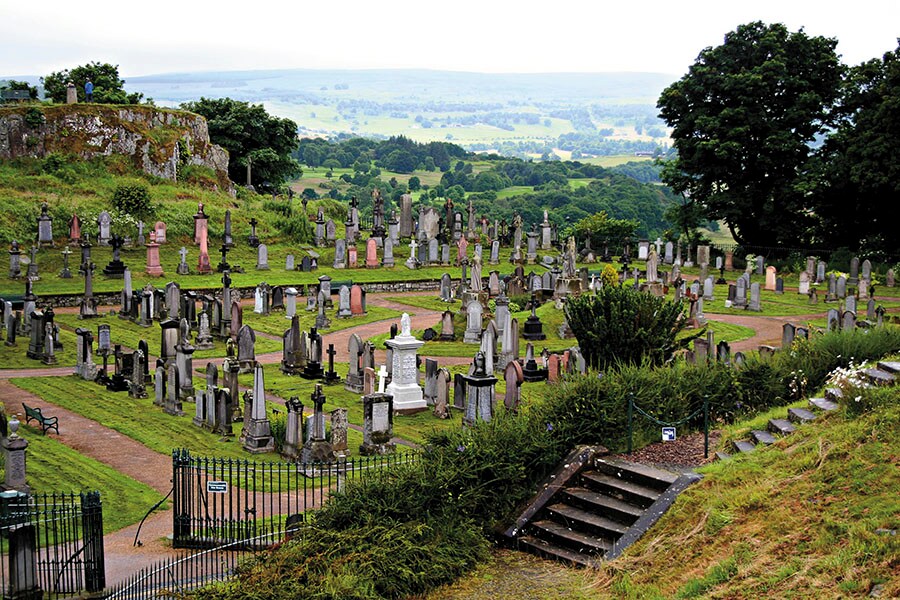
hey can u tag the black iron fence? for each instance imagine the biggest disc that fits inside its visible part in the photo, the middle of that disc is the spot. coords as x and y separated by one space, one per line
51 545
219 501
175 576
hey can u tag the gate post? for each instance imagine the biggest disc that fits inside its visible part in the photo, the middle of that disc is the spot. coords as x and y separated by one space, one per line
181 524
92 530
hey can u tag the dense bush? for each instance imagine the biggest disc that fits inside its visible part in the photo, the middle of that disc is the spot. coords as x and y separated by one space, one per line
132 200
620 324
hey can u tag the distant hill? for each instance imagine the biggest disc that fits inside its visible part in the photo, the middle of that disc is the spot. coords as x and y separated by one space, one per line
420 85
516 114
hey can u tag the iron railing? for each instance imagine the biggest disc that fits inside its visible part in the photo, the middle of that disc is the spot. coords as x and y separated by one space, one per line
51 544
218 501
177 575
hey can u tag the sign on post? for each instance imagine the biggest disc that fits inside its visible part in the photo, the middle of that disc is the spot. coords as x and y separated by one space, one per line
668 434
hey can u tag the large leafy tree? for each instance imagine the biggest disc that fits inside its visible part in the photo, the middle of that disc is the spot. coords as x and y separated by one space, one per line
108 86
860 166
249 133
744 118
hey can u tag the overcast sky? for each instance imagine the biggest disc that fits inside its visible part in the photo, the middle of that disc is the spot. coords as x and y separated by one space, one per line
166 36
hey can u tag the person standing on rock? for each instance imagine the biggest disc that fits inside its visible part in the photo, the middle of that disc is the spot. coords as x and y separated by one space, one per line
88 91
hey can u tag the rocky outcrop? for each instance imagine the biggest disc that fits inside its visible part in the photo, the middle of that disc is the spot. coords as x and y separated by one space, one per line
158 140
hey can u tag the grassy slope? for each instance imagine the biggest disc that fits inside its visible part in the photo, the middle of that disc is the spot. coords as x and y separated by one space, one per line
794 521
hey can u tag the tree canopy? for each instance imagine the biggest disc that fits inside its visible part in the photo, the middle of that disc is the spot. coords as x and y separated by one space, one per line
858 176
744 119
249 133
108 86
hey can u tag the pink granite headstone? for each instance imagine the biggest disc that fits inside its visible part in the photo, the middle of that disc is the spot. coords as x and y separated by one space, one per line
462 248
371 254
203 266
351 256
74 228
153 267
553 368
356 301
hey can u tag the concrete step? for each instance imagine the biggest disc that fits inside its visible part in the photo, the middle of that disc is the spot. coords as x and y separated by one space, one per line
744 446
553 552
647 476
780 426
574 517
572 539
879 377
891 366
800 415
762 437
603 505
823 404
834 394
633 493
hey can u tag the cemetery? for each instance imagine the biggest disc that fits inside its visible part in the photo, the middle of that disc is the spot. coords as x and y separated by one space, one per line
373 391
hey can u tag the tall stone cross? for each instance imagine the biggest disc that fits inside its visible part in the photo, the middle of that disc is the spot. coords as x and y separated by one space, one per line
33 252
224 251
183 253
382 378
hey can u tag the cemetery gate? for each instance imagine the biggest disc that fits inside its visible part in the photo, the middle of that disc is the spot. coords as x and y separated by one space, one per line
219 501
51 545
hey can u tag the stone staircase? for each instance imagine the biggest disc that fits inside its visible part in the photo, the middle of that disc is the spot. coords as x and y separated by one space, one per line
886 373
594 508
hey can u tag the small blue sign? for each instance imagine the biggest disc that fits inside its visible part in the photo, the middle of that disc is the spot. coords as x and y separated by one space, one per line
668 434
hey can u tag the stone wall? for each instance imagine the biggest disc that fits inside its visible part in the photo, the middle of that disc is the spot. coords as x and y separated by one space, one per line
149 135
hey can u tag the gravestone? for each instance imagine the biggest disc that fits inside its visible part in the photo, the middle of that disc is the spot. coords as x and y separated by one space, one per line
45 226
404 387
514 378
257 438
246 343
387 260
343 303
357 301
354 381
803 286
339 259
378 424
442 394
479 392
104 224
473 323
754 298
371 254
771 275
289 264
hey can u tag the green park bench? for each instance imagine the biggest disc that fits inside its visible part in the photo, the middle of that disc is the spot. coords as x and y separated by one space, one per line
46 422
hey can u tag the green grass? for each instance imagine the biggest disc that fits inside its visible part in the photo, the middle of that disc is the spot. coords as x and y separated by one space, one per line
138 419
795 520
54 467
726 332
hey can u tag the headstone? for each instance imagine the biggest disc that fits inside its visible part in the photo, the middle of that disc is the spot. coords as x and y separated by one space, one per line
803 286
246 342
514 378
479 392
754 298
154 269
289 263
357 301
404 387
387 260
258 437
378 424
339 259
771 275
371 254
344 303
473 323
